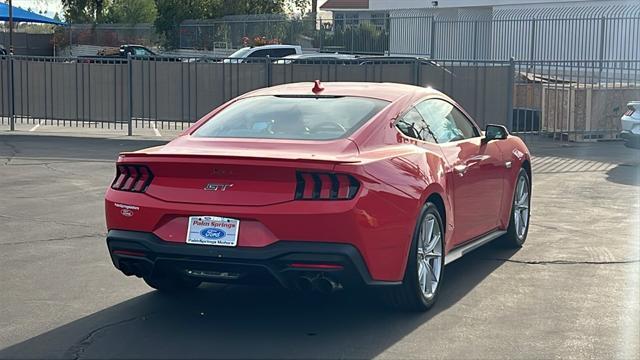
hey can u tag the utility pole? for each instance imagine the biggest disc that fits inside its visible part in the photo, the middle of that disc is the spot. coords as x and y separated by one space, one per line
11 27
314 9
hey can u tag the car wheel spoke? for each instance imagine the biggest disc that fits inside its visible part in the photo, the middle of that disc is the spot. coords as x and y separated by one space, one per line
422 275
430 251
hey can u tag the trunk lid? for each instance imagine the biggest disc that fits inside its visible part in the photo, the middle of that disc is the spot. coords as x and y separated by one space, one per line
235 172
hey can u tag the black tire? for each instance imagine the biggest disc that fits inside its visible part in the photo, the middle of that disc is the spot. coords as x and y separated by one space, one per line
512 239
171 283
409 295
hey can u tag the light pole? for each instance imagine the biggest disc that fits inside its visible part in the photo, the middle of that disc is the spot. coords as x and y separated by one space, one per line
10 27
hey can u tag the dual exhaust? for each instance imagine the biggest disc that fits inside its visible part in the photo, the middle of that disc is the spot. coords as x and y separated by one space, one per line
318 283
136 268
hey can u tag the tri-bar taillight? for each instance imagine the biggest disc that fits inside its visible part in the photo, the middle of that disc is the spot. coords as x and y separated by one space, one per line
630 110
325 186
134 178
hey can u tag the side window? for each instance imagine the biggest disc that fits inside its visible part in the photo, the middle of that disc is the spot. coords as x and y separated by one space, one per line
260 53
446 122
282 52
140 52
414 126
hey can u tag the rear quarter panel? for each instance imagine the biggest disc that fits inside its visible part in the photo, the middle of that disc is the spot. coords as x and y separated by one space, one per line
405 176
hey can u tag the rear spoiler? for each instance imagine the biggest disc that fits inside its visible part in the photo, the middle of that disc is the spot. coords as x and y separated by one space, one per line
153 157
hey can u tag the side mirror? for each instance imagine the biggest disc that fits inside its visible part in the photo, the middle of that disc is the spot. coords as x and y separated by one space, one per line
495 132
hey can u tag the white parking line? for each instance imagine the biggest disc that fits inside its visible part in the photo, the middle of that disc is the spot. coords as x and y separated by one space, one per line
155 130
35 127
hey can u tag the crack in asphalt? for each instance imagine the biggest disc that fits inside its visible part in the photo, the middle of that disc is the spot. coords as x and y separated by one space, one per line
47 221
565 262
54 239
12 148
76 350
60 160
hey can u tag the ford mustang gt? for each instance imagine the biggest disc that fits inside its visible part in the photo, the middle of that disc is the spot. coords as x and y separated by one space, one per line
318 187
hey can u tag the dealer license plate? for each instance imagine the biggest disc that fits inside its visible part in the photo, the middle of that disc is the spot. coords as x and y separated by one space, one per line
213 230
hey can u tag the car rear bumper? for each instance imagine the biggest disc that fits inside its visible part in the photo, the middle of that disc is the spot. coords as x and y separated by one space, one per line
281 263
631 139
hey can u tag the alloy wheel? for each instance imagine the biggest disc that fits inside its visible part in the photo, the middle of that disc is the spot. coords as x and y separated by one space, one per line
521 207
429 255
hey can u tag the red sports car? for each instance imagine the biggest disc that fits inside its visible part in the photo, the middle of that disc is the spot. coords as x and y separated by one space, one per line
317 187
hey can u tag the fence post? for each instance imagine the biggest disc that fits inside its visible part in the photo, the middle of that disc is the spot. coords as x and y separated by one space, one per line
267 71
130 84
603 21
12 85
532 45
433 37
319 22
510 84
475 40
351 39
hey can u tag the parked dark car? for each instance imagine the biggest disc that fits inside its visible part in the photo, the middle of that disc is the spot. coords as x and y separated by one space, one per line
123 52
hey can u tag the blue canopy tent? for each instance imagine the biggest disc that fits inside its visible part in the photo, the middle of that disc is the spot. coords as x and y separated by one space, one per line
14 14
20 15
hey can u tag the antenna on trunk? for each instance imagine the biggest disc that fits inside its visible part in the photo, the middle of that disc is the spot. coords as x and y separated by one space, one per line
317 87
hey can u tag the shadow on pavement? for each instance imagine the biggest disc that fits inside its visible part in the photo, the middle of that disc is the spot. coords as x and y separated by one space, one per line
625 174
243 322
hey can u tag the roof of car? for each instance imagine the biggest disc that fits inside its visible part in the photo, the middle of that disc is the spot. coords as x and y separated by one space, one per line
384 91
321 55
272 46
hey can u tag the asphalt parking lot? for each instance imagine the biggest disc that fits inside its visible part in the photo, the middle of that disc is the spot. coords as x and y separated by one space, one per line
571 292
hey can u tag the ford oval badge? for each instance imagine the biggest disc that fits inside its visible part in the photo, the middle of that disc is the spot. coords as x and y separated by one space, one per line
213 233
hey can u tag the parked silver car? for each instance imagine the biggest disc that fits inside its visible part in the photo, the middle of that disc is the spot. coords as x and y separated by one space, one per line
631 125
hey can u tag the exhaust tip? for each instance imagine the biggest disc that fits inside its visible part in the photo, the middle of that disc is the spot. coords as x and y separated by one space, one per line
137 270
124 267
304 283
325 285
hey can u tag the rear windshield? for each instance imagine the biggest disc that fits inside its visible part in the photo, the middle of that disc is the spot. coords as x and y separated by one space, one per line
240 53
300 118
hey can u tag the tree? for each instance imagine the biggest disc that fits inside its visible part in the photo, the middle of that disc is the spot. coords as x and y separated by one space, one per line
83 11
171 13
131 11
238 7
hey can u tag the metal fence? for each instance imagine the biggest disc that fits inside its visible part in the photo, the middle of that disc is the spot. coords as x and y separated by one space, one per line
577 101
566 38
106 35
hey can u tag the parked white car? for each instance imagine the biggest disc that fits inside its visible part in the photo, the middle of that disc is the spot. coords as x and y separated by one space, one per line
272 51
631 125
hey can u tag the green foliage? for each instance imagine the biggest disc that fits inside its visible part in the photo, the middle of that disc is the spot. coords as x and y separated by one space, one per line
131 12
83 11
235 7
173 12
167 15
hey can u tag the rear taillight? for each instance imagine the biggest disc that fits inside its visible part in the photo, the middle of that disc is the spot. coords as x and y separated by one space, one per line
134 178
325 186
630 110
